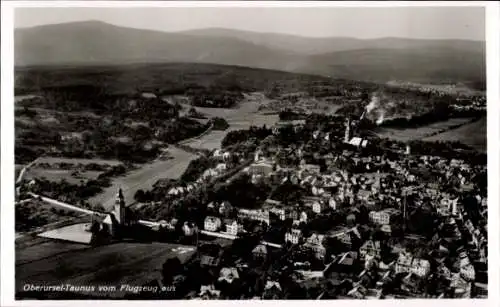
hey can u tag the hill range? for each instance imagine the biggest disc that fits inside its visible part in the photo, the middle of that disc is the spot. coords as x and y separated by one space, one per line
378 60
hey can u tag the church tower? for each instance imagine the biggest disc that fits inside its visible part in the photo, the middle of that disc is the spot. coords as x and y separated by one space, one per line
347 131
119 210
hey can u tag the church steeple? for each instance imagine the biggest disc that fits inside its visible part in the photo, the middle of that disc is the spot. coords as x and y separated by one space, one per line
119 210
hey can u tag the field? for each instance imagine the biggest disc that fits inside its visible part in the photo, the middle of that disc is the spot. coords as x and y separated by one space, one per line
53 263
52 160
60 174
47 167
33 214
144 177
409 134
473 134
243 116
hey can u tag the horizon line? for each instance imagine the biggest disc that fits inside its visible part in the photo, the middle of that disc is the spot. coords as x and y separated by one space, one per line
244 30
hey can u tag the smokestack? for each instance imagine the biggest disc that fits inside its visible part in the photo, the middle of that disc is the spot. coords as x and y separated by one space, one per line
408 149
347 131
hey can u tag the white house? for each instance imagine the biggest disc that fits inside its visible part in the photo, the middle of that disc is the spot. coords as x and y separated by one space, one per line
212 223
406 263
233 228
319 207
293 236
383 217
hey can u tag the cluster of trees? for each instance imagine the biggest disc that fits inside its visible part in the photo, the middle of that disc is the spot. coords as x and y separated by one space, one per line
76 193
290 115
238 136
441 112
196 167
33 214
219 123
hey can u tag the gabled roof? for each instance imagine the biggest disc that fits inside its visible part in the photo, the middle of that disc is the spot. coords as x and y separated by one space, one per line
261 249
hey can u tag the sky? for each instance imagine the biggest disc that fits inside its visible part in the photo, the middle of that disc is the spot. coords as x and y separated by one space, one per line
364 23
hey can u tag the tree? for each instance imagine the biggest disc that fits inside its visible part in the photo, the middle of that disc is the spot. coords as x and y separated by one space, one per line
139 196
170 268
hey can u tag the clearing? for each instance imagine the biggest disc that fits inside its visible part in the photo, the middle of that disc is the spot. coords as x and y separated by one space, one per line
403 134
243 116
473 134
144 177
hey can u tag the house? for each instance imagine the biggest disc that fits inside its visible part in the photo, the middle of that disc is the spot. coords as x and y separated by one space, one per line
407 263
386 228
208 292
260 252
319 207
467 271
233 227
358 142
188 229
358 292
311 168
317 191
272 290
370 247
303 217
212 223
315 243
257 215
411 283
221 167
224 208
261 168
228 275
383 217
348 259
332 203
284 212
293 236
344 234
461 288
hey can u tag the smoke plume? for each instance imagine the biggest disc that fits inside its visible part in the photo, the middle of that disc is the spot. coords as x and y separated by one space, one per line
381 116
374 103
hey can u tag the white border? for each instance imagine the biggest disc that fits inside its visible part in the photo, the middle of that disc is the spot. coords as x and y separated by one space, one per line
7 152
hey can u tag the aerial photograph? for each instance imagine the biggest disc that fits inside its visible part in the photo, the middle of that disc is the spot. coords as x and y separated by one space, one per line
250 153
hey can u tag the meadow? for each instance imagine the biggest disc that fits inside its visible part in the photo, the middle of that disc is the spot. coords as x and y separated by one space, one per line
473 135
409 134
145 177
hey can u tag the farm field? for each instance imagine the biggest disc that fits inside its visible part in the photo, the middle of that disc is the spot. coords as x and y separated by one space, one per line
243 116
420 132
473 134
60 174
72 175
120 263
51 160
144 177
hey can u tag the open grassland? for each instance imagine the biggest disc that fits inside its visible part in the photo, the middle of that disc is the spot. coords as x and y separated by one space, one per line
144 177
408 134
473 134
244 115
51 262
75 161
33 214
57 175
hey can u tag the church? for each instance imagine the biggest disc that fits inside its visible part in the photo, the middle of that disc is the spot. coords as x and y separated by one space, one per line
115 223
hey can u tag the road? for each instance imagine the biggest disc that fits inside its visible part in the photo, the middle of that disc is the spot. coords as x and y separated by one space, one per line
232 237
60 204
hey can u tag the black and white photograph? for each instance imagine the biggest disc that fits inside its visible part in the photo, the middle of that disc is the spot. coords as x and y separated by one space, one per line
251 152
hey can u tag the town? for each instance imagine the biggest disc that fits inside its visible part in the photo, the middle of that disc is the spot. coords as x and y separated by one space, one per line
312 209
190 153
